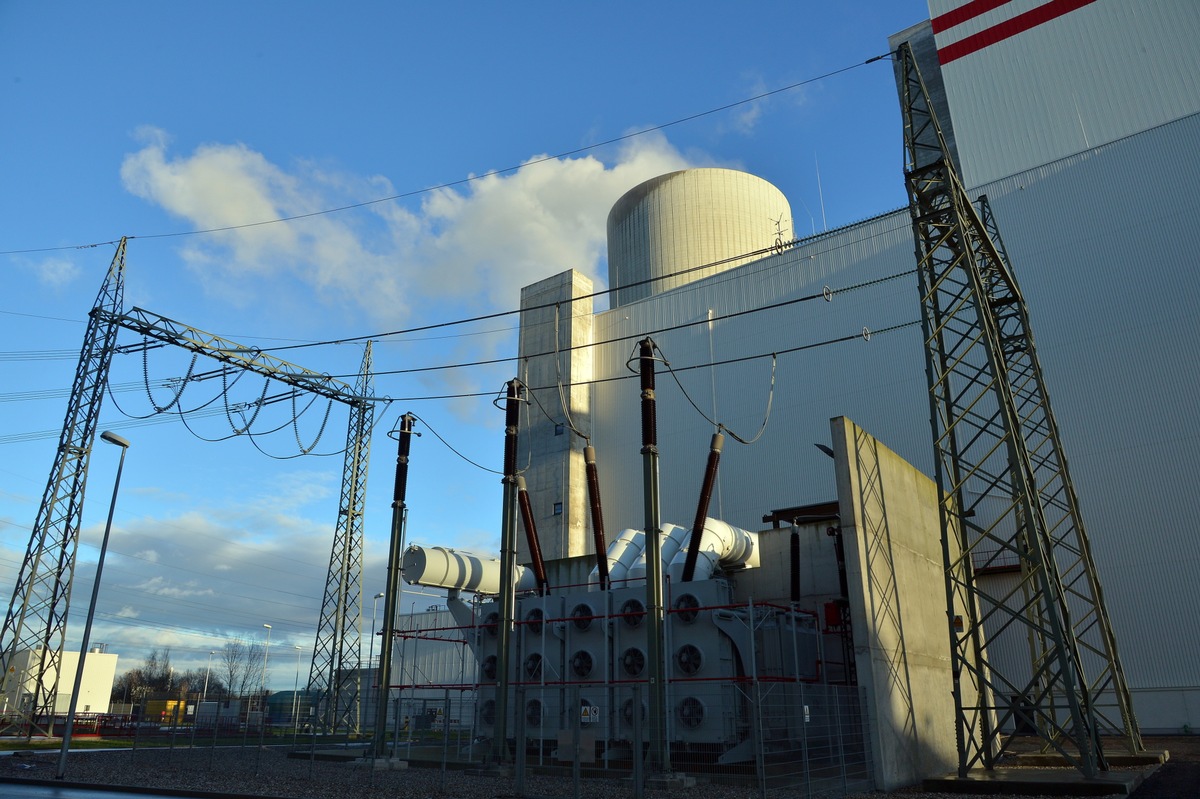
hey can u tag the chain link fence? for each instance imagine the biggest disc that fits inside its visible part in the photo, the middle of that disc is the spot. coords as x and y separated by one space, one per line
753 714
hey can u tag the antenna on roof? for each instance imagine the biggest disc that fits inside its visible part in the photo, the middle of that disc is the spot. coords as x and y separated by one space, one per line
821 194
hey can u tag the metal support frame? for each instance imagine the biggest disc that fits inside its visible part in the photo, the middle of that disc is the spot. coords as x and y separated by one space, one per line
37 615
1006 493
337 653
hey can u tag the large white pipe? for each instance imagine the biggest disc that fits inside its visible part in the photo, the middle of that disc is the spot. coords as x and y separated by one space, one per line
672 539
441 567
720 543
621 554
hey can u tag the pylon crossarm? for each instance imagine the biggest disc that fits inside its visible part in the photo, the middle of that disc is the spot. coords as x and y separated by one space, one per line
252 359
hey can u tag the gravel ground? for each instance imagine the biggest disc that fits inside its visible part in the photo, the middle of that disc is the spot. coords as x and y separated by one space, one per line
268 772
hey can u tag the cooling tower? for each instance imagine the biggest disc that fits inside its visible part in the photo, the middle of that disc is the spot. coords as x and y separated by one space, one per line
677 222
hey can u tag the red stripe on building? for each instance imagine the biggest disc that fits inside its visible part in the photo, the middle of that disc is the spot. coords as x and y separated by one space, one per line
1009 28
965 12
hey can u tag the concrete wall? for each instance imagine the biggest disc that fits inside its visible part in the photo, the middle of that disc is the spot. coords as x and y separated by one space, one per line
898 607
556 331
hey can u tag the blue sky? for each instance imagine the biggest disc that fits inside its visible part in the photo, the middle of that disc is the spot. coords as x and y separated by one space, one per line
156 120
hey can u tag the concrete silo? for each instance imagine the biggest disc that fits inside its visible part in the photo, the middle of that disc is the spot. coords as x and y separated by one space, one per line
694 219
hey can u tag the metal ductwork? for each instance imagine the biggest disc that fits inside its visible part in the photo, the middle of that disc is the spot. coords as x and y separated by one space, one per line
442 567
720 543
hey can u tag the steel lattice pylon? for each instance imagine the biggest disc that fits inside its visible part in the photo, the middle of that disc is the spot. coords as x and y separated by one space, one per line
1007 494
337 655
36 621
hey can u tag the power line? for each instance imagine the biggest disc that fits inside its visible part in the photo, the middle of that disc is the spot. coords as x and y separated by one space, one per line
865 334
471 178
795 243
642 334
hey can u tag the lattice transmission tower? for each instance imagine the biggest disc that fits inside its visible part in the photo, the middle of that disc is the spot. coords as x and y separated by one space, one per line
1007 496
337 655
35 626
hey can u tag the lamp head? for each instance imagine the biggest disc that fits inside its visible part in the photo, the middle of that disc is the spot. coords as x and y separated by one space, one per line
113 438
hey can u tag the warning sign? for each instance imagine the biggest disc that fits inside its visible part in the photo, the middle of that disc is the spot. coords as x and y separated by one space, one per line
589 714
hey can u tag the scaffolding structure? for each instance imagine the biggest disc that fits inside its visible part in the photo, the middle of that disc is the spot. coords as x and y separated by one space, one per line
1007 496
37 615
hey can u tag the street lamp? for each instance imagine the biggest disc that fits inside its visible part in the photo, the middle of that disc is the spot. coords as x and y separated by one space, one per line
207 674
374 606
111 438
296 693
370 657
266 654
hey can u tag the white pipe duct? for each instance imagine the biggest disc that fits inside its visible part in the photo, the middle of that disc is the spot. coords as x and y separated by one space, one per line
441 567
621 554
720 543
673 538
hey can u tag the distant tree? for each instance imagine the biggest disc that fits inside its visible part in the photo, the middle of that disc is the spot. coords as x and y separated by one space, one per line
154 678
192 683
241 666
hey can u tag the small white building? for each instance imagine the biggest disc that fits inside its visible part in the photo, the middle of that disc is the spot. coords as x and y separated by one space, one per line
99 672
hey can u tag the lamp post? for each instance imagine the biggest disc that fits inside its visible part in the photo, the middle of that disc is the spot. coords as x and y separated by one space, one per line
267 654
374 607
362 722
296 692
111 438
207 674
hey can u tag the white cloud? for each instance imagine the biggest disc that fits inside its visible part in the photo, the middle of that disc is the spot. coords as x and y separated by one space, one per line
477 245
55 272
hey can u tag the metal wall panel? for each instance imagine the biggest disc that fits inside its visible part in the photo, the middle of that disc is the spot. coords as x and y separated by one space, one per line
1100 242
1101 72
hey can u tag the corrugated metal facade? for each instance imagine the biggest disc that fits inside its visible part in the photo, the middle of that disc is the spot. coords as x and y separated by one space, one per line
1089 77
1101 246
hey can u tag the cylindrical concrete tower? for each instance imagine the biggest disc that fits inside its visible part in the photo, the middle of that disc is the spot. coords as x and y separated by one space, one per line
692 218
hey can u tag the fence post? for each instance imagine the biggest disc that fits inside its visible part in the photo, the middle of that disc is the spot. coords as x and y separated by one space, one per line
840 742
445 735
195 718
804 739
519 741
137 727
576 721
212 752
760 764
174 730
639 779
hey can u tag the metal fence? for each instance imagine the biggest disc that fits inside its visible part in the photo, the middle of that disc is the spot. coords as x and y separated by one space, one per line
746 704
806 739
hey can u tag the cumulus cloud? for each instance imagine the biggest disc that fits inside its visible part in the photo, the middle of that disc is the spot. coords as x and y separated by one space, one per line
56 272
477 244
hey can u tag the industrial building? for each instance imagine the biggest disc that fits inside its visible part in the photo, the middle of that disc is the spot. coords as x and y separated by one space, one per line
95 691
802 348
